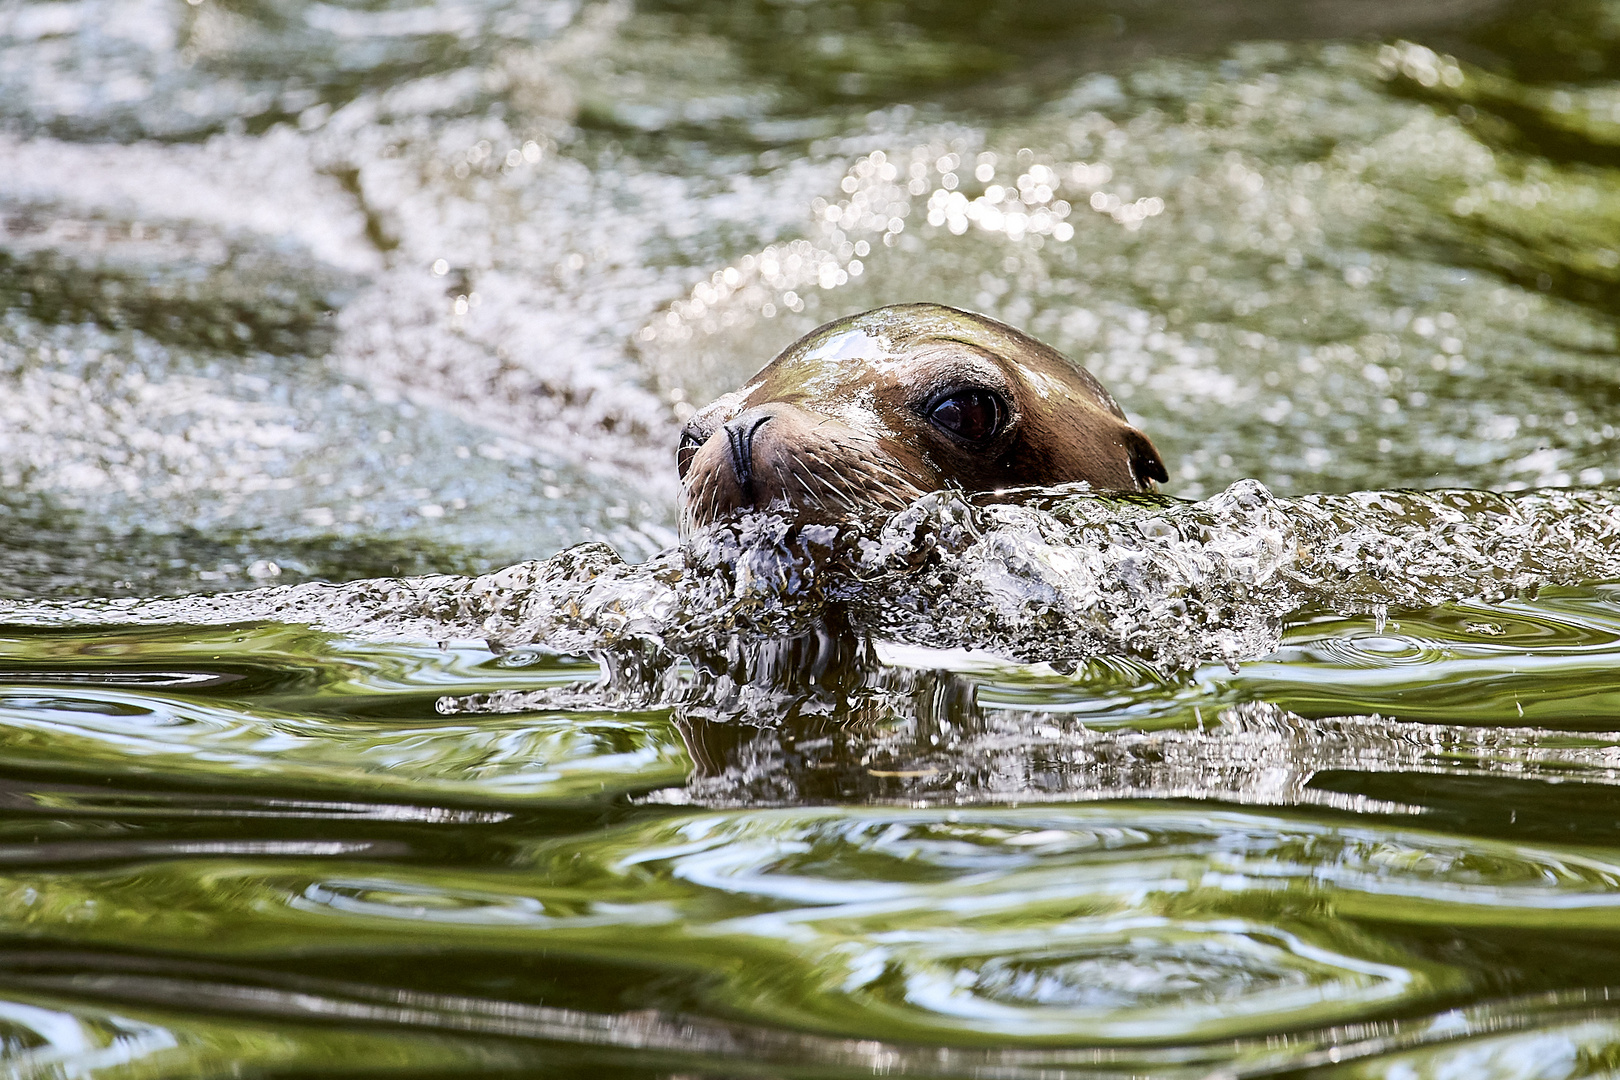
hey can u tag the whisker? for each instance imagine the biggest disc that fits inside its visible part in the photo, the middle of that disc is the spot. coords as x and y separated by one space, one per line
797 479
839 493
821 481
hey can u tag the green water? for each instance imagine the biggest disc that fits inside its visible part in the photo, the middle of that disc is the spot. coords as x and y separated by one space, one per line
296 291
269 847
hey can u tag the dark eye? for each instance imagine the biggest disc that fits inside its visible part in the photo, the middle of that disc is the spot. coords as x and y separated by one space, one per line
691 443
972 414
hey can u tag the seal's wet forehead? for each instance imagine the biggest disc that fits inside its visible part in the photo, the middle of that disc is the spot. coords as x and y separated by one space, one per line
902 344
852 344
828 365
831 371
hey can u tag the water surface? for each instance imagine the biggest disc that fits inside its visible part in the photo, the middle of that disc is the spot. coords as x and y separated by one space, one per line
1245 780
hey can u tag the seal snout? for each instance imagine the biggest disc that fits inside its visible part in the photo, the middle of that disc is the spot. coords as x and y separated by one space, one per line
778 456
740 441
745 463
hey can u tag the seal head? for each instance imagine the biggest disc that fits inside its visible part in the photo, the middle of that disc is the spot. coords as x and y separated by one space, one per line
863 415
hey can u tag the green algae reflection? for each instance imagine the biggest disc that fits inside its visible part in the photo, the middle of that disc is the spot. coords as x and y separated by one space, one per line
286 708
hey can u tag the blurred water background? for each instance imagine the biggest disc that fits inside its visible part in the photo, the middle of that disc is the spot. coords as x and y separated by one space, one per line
328 290
1258 784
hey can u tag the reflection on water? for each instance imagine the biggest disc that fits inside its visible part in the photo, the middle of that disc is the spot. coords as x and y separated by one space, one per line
928 861
1231 781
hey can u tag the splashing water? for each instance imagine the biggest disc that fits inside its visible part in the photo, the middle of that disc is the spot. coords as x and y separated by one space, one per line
1054 577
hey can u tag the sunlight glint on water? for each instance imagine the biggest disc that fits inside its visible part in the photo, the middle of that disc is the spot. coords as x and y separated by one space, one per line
1248 784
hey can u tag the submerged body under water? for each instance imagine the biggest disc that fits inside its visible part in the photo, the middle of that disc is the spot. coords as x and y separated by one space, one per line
378 321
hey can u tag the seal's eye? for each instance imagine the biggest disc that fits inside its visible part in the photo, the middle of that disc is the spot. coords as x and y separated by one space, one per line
691 443
972 414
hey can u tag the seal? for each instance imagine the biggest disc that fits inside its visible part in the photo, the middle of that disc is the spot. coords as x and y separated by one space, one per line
863 415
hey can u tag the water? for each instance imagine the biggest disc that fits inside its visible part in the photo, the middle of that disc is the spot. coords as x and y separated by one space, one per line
290 849
1291 770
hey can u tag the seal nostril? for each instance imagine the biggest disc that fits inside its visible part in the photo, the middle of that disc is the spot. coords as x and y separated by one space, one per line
740 438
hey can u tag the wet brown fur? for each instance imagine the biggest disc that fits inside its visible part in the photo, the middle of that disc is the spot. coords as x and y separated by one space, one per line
846 434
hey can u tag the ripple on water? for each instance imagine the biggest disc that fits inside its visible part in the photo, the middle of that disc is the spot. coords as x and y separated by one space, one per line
1515 662
1070 923
284 709
1086 925
1123 924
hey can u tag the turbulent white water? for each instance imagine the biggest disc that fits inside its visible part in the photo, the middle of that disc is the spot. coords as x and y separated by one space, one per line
1057 577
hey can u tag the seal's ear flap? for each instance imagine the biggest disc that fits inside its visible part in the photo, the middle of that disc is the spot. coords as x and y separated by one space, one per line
1146 465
